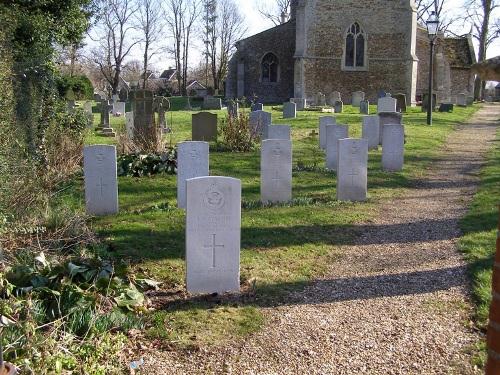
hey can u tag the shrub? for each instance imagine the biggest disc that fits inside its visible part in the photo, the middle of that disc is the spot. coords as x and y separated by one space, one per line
236 133
79 84
138 165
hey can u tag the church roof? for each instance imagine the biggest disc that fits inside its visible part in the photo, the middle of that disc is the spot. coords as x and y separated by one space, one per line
459 52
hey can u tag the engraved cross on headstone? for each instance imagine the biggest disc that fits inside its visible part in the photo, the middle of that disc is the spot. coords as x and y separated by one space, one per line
276 180
276 153
101 186
353 173
213 246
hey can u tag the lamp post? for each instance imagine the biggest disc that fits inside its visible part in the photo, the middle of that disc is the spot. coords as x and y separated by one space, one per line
432 30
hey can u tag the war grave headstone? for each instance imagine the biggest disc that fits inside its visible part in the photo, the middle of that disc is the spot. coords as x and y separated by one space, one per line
462 100
333 134
101 183
352 170
119 109
259 122
446 107
470 100
323 122
289 110
364 107
393 147
209 102
204 127
192 161
386 104
233 108
300 102
276 171
357 97
385 118
213 234
334 97
425 101
257 107
370 132
129 124
320 99
338 107
400 102
279 132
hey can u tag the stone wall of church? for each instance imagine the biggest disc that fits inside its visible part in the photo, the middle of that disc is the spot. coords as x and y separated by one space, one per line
280 41
389 26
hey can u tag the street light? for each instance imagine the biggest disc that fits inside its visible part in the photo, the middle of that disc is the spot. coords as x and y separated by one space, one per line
432 30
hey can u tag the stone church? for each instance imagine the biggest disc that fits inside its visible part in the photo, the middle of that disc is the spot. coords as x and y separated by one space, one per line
348 46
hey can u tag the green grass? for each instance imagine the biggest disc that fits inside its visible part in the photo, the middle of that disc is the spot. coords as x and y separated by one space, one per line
479 228
283 247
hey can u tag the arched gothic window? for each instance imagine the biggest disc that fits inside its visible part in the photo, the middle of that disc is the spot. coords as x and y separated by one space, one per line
270 68
355 47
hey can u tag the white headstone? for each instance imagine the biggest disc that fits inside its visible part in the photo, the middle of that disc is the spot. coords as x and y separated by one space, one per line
323 122
129 124
119 108
259 121
333 134
357 97
279 132
388 118
393 145
387 104
276 171
371 130
192 161
213 234
289 110
352 169
101 182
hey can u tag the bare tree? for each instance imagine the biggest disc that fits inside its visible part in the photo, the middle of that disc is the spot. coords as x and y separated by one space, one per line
113 29
150 23
278 12
426 7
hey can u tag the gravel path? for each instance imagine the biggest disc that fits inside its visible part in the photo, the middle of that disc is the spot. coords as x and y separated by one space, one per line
396 302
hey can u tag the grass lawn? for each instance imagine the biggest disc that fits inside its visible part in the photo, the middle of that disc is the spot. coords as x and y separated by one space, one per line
282 247
480 232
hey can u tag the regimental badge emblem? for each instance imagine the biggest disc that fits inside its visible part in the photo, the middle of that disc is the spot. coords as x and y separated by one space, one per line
214 198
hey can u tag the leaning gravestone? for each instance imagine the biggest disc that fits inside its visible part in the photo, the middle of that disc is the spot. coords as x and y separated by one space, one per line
320 99
400 102
289 110
333 134
393 147
352 170
279 132
119 108
257 107
388 118
259 122
192 161
364 107
204 127
323 122
213 234
276 171
386 104
233 108
101 184
129 124
357 97
371 130
338 107
301 103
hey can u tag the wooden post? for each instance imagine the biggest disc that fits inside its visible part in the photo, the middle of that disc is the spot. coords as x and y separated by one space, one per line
493 365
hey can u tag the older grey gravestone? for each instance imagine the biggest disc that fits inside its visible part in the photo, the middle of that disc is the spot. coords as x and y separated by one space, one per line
233 108
386 104
192 161
425 101
393 145
371 129
119 109
333 134
129 124
357 97
98 97
320 99
364 107
323 122
338 107
301 103
101 183
470 100
352 170
213 234
105 108
276 171
142 108
115 98
462 100
279 132
289 110
212 103
204 127
388 118
400 102
259 122
334 97
446 107
257 107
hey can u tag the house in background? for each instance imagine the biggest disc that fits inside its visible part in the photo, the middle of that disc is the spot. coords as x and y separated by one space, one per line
195 86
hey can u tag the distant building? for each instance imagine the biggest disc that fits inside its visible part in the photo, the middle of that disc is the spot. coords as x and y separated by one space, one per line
201 91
